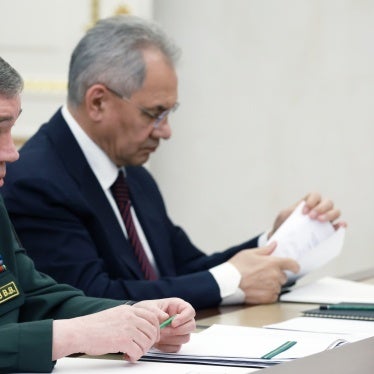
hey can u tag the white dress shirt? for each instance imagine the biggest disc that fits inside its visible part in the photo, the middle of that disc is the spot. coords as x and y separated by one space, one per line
106 172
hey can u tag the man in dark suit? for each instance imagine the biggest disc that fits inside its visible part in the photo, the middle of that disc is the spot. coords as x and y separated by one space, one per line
62 194
41 320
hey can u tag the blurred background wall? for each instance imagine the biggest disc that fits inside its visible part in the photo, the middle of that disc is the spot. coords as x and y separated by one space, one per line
276 101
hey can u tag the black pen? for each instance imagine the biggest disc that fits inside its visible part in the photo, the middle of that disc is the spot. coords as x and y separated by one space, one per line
342 306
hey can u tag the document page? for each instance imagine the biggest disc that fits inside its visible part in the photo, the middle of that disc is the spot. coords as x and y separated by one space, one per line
311 243
249 346
364 329
329 290
101 365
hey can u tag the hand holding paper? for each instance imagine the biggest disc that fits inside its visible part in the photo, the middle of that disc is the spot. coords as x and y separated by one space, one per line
310 242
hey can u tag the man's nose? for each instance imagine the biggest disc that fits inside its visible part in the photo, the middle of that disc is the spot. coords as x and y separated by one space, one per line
163 130
9 152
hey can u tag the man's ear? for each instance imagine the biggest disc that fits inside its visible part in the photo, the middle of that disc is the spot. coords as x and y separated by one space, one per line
96 98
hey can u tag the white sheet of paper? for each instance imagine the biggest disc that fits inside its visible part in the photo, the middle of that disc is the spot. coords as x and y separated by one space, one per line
93 365
331 290
311 243
219 341
326 325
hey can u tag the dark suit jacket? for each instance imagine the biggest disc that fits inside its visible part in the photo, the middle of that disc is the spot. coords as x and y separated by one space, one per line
65 220
29 301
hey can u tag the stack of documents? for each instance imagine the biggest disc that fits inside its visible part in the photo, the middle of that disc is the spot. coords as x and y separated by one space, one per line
95 365
326 325
249 346
331 290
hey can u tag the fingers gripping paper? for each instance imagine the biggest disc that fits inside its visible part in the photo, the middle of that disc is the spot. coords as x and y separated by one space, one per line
310 242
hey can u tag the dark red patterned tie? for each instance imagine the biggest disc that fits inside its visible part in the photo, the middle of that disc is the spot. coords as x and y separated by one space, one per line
121 195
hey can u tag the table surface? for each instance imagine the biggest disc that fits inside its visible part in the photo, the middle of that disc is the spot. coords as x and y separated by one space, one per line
260 315
349 359
352 358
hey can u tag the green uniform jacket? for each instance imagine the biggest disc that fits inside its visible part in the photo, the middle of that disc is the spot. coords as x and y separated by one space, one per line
29 301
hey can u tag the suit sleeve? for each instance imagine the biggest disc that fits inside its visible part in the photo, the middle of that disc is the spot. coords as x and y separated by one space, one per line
63 239
44 301
26 319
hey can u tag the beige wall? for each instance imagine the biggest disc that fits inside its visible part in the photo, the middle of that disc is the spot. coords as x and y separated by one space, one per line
276 100
38 36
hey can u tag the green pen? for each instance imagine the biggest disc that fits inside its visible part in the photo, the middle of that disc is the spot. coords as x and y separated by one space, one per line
167 322
348 306
280 349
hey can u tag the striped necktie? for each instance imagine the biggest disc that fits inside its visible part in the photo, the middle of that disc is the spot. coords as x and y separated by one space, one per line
121 195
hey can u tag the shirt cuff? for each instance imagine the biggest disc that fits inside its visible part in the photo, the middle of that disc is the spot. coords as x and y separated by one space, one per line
228 278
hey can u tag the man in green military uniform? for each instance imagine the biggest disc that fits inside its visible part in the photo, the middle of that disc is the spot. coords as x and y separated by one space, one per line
42 321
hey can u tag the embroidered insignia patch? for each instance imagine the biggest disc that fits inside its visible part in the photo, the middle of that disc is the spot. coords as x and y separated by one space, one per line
8 291
2 266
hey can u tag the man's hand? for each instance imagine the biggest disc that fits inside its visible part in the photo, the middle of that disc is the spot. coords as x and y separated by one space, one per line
132 330
317 208
262 275
126 329
178 332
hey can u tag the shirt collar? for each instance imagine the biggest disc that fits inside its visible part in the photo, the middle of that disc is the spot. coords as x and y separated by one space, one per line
103 167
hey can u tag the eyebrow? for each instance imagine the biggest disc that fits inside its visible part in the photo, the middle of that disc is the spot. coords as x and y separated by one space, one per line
9 118
158 109
161 108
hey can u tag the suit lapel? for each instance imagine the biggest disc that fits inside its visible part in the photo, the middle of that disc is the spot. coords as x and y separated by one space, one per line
78 168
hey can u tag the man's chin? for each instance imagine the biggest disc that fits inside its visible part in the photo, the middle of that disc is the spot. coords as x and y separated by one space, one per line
143 160
139 160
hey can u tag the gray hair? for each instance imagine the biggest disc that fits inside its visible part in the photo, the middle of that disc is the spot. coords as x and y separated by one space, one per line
11 83
111 53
